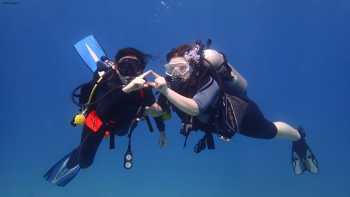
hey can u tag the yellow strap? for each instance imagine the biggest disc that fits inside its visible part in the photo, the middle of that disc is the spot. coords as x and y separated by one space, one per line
94 89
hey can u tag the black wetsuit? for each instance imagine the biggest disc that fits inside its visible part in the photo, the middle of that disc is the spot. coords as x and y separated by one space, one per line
116 110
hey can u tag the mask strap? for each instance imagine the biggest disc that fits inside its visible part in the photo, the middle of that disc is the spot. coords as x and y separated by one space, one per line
127 57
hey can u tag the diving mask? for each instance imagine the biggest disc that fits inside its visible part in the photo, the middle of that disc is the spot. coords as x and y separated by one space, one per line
178 67
130 67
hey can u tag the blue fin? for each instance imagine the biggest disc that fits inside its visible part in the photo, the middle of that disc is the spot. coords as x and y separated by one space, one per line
90 51
60 174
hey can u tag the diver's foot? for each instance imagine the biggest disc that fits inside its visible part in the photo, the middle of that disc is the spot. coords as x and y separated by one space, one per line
302 157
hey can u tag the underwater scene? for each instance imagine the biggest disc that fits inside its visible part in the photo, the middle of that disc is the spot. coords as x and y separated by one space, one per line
174 98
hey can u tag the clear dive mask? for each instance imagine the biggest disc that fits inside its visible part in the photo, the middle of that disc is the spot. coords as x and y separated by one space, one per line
178 67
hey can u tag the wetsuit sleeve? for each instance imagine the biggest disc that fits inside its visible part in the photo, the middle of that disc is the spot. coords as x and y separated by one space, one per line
206 96
149 98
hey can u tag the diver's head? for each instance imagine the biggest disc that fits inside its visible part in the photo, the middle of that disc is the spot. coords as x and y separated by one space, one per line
178 68
184 67
131 62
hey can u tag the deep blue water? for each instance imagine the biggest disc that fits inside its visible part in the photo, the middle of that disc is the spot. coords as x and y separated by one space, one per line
294 54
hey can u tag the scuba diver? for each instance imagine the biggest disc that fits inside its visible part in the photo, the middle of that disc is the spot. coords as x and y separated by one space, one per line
111 104
209 94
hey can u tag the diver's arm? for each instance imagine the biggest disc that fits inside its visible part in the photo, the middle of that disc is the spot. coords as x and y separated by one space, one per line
187 105
156 111
138 83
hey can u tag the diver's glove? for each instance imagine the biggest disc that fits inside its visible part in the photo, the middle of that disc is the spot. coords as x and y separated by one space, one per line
163 141
137 83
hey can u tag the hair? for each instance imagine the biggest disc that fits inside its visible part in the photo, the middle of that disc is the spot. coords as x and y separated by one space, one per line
178 51
129 51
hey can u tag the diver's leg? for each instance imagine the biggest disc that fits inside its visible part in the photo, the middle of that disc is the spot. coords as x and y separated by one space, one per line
84 154
255 125
90 142
285 131
95 127
74 158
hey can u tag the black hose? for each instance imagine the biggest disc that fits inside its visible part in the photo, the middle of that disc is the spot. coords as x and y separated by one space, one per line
75 95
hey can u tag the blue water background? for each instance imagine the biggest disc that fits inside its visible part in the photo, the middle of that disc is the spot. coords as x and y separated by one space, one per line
294 54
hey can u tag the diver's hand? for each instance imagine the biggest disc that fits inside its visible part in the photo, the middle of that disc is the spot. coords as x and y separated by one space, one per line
138 83
159 83
163 141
